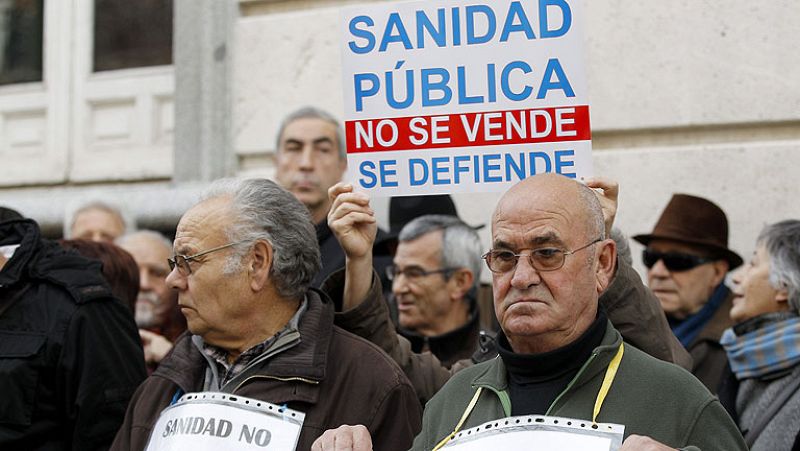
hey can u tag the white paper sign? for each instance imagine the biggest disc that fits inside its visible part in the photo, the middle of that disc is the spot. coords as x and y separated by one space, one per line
218 421
464 95
540 433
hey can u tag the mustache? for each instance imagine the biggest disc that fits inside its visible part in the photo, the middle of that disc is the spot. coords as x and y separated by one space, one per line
149 297
303 179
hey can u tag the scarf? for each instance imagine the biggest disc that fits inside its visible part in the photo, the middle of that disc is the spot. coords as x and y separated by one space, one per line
687 330
763 345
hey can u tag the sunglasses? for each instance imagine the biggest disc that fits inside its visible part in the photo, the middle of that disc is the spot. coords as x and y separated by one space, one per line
674 261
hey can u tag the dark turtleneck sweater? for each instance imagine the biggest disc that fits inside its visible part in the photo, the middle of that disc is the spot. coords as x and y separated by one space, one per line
535 380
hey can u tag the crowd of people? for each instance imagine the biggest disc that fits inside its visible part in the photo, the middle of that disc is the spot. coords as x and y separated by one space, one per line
288 292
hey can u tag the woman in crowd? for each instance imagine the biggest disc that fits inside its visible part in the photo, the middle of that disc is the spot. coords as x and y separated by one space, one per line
763 347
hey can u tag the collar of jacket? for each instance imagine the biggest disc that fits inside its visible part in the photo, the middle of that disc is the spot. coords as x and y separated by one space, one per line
45 260
720 321
306 361
449 343
495 378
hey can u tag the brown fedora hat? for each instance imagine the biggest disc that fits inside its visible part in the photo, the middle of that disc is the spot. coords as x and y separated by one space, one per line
694 220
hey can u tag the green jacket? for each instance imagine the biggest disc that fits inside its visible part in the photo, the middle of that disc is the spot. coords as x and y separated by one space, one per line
648 396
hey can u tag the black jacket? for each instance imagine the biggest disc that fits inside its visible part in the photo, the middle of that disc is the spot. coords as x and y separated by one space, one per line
70 355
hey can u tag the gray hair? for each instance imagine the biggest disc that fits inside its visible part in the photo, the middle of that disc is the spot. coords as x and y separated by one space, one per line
782 242
125 218
265 211
597 225
623 248
152 234
461 247
310 112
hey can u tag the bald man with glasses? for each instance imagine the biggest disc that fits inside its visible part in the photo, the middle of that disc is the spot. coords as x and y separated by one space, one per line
559 355
687 258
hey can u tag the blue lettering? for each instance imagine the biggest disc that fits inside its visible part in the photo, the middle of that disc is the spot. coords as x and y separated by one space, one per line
477 174
371 180
544 157
488 166
504 85
561 164
554 67
463 98
417 162
439 35
566 14
441 86
390 35
519 168
456 28
438 169
491 81
364 34
515 11
492 24
390 95
387 169
359 80
458 168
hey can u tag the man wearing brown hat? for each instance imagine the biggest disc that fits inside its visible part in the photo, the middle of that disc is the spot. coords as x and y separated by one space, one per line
687 257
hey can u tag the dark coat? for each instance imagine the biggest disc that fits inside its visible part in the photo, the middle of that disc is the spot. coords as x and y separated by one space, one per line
332 376
708 355
70 354
449 347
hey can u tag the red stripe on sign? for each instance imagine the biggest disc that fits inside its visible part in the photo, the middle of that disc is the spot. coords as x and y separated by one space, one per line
492 128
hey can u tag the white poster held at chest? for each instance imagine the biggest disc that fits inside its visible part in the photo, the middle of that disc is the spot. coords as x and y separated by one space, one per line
219 421
540 433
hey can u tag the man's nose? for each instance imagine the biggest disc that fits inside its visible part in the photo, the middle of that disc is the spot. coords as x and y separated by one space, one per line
307 158
525 275
659 269
399 286
176 280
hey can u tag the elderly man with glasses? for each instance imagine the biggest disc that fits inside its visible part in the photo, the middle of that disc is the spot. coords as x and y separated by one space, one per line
687 257
559 355
244 258
434 278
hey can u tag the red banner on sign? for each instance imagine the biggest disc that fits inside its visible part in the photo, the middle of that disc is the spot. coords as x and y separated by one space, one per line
491 128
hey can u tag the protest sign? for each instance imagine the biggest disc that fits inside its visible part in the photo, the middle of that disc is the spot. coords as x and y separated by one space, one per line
218 421
541 433
463 96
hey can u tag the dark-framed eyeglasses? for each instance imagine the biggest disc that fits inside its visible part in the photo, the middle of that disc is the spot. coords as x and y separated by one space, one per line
542 259
182 261
674 261
414 272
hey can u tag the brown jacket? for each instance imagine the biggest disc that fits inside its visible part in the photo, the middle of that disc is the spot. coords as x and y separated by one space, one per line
332 376
708 355
631 307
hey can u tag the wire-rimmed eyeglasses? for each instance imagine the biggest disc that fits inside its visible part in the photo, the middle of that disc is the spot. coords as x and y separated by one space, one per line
182 261
542 259
414 272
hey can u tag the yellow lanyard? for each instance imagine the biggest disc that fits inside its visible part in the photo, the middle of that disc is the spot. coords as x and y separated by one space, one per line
611 372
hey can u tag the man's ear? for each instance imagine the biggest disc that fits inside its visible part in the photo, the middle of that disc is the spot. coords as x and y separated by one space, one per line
259 265
606 263
462 279
721 268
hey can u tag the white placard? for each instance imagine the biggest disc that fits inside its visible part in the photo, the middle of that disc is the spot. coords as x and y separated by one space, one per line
464 95
211 421
541 433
